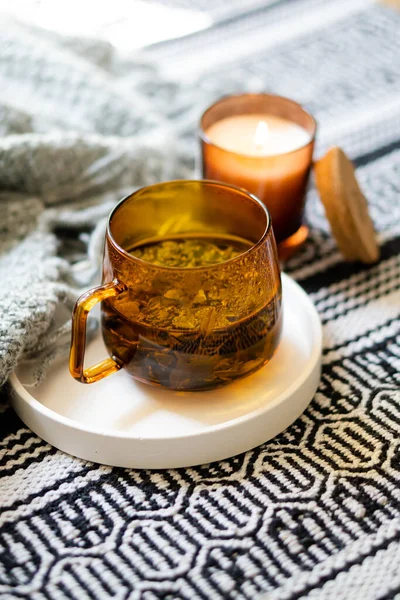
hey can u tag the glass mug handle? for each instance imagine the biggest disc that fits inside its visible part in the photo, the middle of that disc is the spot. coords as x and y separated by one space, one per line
78 335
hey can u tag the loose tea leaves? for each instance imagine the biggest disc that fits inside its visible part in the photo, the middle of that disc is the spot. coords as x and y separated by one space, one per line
196 332
187 253
187 308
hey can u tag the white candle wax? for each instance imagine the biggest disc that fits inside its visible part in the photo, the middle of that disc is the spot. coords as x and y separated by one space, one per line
257 135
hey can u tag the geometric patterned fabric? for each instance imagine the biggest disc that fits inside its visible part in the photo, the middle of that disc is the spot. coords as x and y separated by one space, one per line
315 512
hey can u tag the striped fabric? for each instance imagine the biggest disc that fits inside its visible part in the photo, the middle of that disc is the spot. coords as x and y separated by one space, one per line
314 513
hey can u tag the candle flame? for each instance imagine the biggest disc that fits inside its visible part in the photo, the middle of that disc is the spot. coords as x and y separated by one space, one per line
261 136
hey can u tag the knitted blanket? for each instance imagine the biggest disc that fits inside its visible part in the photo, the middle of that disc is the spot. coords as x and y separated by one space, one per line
314 513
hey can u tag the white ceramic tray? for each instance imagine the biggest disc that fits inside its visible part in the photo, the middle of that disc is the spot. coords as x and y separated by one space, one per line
119 421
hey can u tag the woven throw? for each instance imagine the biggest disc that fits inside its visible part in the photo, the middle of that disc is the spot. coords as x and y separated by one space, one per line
314 513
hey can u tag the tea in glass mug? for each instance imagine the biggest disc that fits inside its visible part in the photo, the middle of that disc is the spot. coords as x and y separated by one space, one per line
191 294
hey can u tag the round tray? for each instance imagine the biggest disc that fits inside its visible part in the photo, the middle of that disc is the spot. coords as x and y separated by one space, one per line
121 422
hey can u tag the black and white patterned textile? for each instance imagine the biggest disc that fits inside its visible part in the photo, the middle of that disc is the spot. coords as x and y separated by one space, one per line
314 513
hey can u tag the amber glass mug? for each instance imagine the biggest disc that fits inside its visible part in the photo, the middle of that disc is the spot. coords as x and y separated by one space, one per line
185 327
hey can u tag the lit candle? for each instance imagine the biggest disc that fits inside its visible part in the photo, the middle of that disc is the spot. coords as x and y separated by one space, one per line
264 144
257 135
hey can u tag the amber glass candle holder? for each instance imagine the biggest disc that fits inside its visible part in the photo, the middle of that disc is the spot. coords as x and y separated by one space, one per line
191 293
279 177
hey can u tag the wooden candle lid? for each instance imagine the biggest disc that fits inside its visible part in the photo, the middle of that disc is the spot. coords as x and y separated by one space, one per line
346 207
